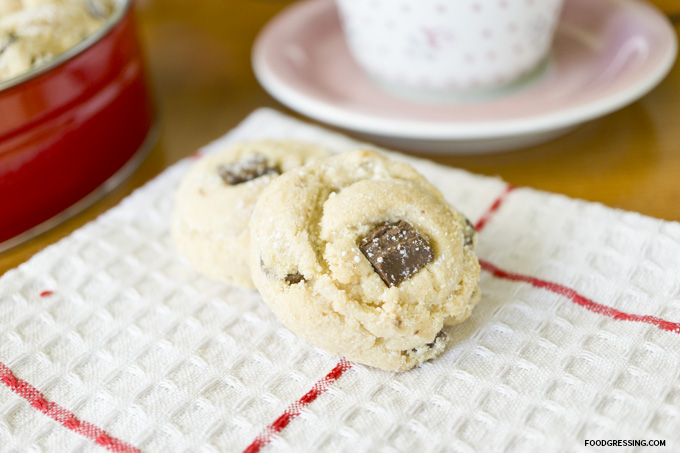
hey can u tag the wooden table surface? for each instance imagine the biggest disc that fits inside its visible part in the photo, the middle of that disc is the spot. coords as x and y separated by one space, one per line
199 64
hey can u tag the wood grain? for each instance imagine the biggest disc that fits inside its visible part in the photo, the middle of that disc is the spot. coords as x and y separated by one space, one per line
199 63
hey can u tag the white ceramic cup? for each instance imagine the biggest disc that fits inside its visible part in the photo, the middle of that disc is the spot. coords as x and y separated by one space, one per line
444 49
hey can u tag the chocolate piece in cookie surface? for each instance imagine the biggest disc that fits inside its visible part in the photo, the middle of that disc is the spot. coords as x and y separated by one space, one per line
246 170
468 233
441 336
396 251
294 277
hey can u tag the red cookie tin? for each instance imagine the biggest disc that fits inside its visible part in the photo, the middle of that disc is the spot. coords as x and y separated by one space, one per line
72 129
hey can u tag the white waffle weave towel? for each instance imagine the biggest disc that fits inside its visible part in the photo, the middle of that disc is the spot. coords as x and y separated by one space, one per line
110 341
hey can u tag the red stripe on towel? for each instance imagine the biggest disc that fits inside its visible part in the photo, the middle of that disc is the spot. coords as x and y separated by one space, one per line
561 289
564 290
494 207
57 413
579 299
295 409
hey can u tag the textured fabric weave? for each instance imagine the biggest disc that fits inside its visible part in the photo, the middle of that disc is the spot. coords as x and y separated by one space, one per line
109 340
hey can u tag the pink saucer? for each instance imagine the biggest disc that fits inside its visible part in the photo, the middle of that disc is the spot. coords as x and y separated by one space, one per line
606 55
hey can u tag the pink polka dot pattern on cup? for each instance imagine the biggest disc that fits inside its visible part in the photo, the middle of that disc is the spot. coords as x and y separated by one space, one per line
440 45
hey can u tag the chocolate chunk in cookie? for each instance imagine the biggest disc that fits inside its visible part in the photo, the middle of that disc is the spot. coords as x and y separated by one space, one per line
294 277
468 233
438 340
396 251
246 170
441 336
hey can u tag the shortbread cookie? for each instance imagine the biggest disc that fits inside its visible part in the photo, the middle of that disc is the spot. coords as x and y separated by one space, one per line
216 197
363 257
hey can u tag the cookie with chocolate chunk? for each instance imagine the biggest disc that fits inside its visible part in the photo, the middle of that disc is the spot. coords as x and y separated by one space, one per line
215 199
361 256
